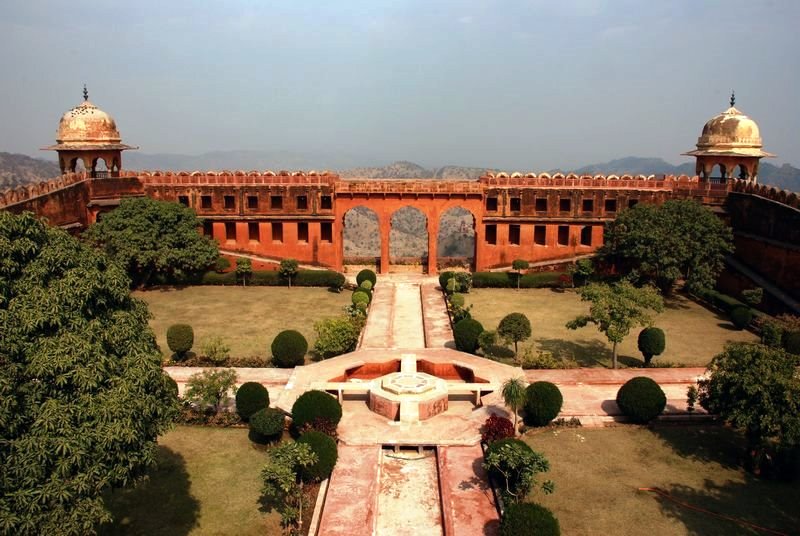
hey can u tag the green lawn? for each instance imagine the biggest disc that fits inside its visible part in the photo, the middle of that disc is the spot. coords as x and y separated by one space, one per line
207 482
247 319
597 473
694 334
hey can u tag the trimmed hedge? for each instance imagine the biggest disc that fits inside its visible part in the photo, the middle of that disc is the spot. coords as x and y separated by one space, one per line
651 342
528 518
466 333
543 401
250 398
457 299
366 275
509 280
444 277
327 453
289 348
718 299
266 425
741 316
641 399
791 342
361 296
315 404
271 278
180 338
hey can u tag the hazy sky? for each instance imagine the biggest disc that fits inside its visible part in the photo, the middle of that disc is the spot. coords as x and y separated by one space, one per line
516 85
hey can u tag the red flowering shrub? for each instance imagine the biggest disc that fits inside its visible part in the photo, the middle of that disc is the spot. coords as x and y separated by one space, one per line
496 428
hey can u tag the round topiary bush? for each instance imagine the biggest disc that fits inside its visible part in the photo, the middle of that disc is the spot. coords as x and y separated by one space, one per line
466 333
315 404
543 401
366 284
180 338
741 316
360 297
651 342
641 399
457 300
266 425
251 397
289 349
444 277
327 453
528 518
366 275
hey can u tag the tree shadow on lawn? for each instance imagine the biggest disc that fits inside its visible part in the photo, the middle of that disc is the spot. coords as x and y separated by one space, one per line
161 504
586 353
763 503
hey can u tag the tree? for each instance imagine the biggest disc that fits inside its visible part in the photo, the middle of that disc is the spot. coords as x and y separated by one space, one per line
755 388
152 238
283 483
82 393
651 342
244 269
519 265
514 327
288 270
616 309
211 388
514 396
661 244
517 466
581 271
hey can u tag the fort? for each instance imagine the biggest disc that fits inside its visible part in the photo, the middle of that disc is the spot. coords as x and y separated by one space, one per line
539 217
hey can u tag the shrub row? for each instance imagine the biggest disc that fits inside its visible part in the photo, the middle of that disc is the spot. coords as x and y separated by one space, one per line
269 278
719 300
509 280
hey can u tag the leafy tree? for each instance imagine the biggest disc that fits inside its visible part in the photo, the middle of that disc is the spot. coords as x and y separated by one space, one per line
514 327
518 265
82 393
288 269
283 484
517 466
755 388
514 396
152 238
616 309
581 271
244 269
661 244
211 388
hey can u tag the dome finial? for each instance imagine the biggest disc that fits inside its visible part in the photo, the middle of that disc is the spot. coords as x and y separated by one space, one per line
733 98
86 93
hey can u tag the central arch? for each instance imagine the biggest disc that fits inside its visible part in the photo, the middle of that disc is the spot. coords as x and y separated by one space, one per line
408 240
456 239
361 238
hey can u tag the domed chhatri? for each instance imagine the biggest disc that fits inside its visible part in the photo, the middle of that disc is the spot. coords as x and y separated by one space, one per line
728 140
88 135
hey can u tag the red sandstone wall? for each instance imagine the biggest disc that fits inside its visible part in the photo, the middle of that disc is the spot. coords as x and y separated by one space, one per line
778 263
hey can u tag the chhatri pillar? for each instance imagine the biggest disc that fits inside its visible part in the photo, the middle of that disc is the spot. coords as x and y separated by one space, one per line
732 141
89 136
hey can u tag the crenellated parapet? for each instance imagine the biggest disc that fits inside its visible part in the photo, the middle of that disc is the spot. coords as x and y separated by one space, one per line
21 194
784 197
238 177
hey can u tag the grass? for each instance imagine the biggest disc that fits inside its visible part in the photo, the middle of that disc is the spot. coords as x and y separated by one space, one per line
694 334
207 482
597 473
247 319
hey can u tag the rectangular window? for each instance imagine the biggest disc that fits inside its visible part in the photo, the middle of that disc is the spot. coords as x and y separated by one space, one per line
632 203
302 202
491 204
611 205
230 231
563 235
208 228
276 202
491 234
302 232
588 205
183 200
516 204
277 231
230 202
541 204
326 231
540 235
513 235
254 231
252 202
565 204
586 236
205 201
326 202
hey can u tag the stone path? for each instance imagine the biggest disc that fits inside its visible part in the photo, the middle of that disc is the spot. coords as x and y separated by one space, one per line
467 499
408 494
395 317
351 502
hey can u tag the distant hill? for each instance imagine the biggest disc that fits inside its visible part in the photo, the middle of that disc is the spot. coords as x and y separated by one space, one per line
19 169
410 170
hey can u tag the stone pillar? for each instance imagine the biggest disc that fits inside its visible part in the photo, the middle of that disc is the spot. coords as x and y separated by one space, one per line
385 226
433 234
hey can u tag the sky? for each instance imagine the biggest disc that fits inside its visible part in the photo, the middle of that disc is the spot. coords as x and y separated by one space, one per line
526 85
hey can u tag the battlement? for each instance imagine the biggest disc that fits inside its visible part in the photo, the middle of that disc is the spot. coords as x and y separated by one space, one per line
784 197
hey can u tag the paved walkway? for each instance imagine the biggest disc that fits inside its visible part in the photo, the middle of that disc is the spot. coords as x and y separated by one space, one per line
351 502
